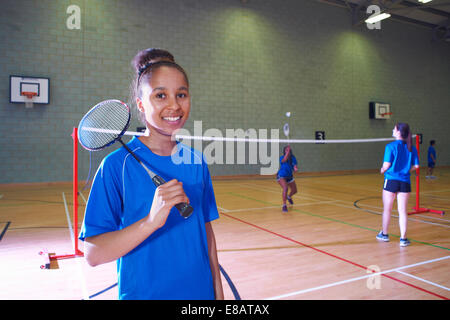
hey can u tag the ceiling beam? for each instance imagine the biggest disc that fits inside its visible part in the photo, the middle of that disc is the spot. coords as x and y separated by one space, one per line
425 8
356 9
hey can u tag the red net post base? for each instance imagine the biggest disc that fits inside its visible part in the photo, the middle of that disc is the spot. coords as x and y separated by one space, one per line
425 210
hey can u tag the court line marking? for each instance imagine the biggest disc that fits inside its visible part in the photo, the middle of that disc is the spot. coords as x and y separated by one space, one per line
328 198
340 221
436 191
393 209
68 219
223 209
82 196
275 207
332 255
409 219
412 192
421 279
436 197
4 230
79 268
336 185
374 274
394 215
343 205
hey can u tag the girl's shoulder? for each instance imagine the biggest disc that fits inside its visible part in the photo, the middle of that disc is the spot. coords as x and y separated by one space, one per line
394 144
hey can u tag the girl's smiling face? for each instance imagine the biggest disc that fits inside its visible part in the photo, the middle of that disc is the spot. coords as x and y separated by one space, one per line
165 100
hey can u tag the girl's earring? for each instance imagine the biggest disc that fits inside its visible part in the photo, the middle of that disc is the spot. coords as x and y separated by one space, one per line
140 105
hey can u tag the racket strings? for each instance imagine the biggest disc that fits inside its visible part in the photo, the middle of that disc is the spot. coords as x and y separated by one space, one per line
103 124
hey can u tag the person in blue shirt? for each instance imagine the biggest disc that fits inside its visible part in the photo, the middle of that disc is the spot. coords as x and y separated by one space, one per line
285 176
400 158
431 160
160 255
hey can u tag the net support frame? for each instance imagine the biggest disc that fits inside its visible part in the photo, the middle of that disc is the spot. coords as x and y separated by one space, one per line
417 209
78 253
48 257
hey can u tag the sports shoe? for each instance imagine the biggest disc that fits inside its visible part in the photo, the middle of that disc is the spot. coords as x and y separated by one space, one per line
290 200
383 237
284 209
404 242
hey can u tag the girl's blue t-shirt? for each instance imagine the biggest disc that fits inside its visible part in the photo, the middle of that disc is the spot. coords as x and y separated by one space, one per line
401 160
431 151
173 262
287 168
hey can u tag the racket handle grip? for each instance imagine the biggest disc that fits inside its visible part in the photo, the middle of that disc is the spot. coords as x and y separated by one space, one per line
184 208
157 180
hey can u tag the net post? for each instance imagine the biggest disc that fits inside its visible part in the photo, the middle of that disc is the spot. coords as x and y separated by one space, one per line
417 174
417 208
75 189
77 252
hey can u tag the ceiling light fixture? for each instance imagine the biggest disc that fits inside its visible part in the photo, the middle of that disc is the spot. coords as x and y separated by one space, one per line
378 17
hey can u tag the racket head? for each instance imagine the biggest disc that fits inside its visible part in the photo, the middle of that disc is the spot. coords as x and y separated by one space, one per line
104 124
286 129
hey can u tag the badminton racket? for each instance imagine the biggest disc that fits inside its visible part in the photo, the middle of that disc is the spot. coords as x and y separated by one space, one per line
286 130
286 126
105 124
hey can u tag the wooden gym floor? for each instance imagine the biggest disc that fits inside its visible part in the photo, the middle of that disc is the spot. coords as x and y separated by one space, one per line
323 248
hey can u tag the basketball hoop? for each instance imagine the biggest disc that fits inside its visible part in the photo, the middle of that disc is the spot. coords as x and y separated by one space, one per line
29 96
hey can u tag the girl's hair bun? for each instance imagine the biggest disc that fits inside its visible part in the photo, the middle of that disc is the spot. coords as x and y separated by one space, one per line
150 55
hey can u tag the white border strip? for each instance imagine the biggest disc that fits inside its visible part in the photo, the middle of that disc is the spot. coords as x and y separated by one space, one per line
353 279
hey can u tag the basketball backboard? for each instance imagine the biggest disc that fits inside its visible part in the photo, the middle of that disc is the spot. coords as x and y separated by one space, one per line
20 87
379 110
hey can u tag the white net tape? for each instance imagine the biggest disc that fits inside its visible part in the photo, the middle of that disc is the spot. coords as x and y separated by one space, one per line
204 138
237 139
263 154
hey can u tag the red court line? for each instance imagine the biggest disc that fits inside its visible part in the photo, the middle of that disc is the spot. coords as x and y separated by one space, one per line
331 255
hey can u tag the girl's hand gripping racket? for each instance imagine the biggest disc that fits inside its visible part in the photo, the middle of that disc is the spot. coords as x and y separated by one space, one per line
105 124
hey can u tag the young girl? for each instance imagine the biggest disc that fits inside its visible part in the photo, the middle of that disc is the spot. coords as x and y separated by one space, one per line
288 165
400 158
160 255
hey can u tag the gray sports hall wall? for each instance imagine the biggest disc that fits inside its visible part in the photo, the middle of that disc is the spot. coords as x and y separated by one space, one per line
248 65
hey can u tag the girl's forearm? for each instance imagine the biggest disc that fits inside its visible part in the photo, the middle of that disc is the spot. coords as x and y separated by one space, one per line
110 246
385 167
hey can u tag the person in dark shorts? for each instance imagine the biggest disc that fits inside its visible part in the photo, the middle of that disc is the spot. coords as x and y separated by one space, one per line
400 158
285 176
431 160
